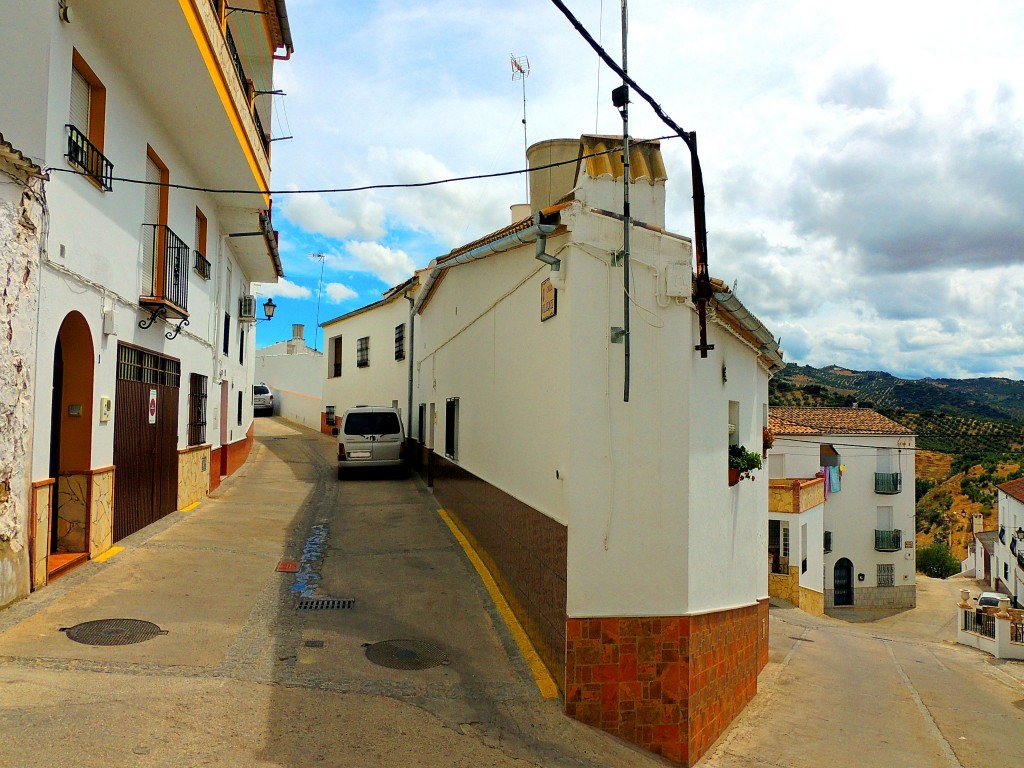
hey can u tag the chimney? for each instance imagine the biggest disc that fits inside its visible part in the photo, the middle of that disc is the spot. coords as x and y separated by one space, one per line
298 331
520 211
602 172
549 185
978 523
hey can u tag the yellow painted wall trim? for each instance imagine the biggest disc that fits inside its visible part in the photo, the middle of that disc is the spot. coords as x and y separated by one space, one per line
546 684
108 554
217 76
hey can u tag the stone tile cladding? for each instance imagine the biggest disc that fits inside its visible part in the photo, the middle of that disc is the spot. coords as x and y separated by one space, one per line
525 551
668 684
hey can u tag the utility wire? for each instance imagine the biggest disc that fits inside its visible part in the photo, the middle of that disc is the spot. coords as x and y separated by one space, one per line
364 188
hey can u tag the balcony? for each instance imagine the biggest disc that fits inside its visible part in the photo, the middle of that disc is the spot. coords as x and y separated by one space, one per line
201 265
889 541
83 154
168 291
1020 560
888 482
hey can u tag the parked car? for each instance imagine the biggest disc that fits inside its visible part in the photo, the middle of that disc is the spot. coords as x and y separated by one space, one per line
262 400
989 599
370 436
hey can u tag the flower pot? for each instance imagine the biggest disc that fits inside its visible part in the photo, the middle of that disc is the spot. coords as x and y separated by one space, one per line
734 476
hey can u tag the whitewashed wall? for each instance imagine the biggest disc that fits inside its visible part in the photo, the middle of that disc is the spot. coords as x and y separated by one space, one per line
296 380
385 379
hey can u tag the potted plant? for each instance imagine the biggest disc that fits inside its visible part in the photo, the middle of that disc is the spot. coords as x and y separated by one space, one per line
742 463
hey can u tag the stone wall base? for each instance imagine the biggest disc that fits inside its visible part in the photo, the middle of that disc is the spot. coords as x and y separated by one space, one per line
895 598
669 684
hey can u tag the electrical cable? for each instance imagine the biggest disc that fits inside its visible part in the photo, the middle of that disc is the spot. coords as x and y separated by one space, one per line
363 188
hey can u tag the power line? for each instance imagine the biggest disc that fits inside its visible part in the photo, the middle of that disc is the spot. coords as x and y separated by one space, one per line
364 188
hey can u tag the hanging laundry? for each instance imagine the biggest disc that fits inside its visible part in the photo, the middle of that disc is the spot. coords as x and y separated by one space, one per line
834 479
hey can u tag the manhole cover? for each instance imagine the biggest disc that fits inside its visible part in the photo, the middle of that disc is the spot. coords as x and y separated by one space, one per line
406 654
113 632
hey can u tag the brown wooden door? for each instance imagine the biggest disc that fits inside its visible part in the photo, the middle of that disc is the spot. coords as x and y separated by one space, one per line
145 454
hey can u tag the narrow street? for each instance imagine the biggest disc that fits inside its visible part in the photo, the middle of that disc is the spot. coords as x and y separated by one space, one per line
245 677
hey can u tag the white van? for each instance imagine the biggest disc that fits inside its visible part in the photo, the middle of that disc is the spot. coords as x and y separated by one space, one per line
370 436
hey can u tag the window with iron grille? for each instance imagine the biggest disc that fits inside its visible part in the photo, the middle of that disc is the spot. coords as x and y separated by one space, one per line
135 364
451 428
400 342
886 575
363 352
421 428
227 334
197 409
239 408
335 369
241 346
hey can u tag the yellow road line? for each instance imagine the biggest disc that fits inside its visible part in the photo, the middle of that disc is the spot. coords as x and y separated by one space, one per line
190 507
108 554
546 684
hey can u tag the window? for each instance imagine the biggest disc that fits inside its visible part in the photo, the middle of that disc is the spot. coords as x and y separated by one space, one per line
886 575
135 364
200 263
885 461
197 409
86 117
803 548
422 415
451 428
734 422
1006 571
400 342
363 352
241 346
227 334
239 419
883 518
335 348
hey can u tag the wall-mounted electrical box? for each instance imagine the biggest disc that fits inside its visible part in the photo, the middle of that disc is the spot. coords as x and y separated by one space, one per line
109 327
678 281
106 409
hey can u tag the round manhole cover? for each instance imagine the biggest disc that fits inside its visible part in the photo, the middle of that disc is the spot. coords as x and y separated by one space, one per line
406 654
113 632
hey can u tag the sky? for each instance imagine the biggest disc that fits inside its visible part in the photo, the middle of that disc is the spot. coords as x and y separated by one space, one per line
863 163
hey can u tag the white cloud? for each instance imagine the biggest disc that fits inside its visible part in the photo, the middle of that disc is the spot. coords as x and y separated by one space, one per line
390 265
351 216
282 288
338 293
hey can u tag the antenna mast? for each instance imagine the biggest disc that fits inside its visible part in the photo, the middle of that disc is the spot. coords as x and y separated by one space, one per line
521 71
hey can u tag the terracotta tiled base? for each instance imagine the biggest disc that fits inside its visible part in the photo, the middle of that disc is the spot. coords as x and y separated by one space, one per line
670 684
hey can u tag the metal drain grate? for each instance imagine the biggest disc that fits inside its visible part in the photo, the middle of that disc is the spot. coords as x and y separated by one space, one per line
406 654
325 604
113 632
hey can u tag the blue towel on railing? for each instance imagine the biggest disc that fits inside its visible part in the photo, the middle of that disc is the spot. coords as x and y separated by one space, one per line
833 479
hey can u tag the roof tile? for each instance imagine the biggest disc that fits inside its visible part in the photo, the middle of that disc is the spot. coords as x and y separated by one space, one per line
791 420
1013 489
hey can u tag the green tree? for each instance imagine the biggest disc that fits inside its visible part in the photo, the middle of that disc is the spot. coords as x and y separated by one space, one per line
937 561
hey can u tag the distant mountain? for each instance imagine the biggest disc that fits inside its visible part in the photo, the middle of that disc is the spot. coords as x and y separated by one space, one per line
984 416
988 399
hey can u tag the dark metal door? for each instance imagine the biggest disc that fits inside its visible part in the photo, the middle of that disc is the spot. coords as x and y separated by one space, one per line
145 454
842 582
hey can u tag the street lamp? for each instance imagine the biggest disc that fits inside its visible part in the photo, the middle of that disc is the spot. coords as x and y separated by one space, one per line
269 308
1019 533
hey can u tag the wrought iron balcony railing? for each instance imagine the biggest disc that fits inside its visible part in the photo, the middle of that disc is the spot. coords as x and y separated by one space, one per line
170 258
243 79
888 482
201 265
980 623
83 153
889 541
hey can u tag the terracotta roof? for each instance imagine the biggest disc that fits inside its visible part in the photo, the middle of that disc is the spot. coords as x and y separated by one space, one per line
789 420
988 540
1014 489
12 155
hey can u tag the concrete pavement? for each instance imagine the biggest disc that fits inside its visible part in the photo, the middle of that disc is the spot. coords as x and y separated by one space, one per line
243 678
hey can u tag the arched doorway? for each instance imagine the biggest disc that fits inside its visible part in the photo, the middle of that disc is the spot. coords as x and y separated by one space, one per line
842 582
71 443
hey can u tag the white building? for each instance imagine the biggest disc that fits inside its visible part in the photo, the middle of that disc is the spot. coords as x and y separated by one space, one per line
365 354
294 371
145 336
867 466
610 525
797 542
1007 558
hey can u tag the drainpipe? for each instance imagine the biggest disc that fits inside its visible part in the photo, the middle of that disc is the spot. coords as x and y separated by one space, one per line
412 354
535 232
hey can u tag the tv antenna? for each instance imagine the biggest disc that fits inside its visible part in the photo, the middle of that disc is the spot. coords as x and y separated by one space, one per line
521 71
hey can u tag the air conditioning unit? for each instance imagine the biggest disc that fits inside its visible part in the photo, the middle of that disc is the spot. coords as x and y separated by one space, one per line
247 307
